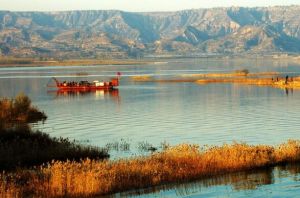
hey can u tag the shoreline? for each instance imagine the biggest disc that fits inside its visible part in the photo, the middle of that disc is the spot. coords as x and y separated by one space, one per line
30 62
72 62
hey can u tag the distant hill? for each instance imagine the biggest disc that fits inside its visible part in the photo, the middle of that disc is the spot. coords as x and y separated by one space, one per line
99 34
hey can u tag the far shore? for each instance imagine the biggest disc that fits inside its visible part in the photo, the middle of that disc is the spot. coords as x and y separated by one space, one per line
28 62
9 61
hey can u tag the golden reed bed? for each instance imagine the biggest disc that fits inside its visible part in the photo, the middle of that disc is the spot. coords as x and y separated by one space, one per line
235 74
180 163
280 83
260 79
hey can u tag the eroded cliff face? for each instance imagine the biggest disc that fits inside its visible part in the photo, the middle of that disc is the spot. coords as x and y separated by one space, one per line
119 34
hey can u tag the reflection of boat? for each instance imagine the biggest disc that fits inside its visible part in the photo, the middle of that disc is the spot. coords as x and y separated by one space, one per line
102 93
78 92
86 85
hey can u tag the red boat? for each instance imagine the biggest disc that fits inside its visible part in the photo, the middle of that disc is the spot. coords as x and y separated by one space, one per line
87 86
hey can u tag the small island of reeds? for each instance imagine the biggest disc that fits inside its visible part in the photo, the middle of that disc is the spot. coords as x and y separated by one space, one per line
272 79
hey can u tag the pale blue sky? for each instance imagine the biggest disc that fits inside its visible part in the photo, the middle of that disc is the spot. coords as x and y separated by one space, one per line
132 5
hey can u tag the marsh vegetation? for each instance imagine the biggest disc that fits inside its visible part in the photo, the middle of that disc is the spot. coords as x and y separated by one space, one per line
20 146
242 76
179 163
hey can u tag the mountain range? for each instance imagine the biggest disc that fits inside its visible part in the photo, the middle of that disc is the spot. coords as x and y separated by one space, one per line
112 33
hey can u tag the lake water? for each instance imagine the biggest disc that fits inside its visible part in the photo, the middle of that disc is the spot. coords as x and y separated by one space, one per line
140 114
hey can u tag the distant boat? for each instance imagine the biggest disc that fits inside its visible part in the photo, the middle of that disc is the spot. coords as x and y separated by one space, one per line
86 85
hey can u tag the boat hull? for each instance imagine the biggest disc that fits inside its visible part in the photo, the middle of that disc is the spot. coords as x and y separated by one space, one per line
85 88
85 85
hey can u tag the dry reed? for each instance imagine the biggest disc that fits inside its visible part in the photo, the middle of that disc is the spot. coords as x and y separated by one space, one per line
237 73
180 163
280 83
19 110
142 78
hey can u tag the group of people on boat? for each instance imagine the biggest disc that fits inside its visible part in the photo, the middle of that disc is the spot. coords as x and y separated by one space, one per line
84 84
114 82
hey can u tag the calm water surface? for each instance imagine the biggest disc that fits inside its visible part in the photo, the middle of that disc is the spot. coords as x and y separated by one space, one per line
150 113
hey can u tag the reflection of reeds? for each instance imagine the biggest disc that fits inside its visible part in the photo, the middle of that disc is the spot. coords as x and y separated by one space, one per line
118 145
179 163
145 146
242 180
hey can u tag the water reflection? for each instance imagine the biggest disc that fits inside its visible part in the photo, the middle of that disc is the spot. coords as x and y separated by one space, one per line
97 94
289 91
289 170
237 183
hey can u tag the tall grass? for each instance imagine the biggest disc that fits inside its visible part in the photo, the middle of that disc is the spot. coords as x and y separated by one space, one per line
248 81
19 110
180 163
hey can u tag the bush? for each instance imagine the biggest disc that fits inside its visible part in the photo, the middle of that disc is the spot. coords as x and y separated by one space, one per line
22 104
243 71
22 147
19 110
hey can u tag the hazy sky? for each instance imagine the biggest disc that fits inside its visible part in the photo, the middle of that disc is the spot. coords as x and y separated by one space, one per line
132 5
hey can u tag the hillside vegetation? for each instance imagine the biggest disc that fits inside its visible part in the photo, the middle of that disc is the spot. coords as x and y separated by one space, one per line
104 34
